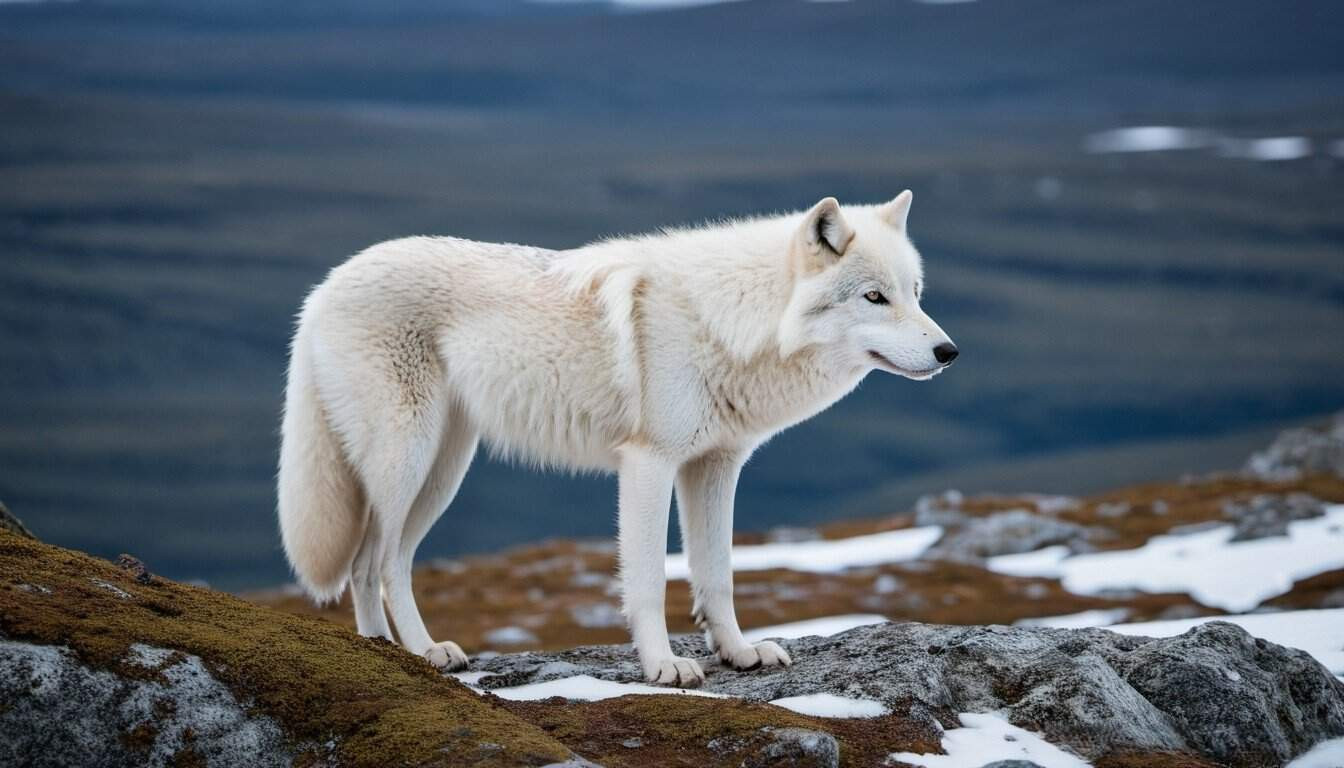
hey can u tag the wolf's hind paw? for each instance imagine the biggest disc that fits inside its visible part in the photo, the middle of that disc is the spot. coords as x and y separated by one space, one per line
447 656
766 653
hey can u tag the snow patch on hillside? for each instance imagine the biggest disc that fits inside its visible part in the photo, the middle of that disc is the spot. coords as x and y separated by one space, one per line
1207 565
825 556
985 738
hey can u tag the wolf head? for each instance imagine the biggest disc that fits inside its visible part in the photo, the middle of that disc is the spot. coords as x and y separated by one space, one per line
857 285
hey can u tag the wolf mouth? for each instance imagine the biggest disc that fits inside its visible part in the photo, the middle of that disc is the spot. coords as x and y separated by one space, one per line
883 362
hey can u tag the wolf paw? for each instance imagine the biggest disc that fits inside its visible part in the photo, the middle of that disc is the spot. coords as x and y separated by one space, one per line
676 671
447 656
766 653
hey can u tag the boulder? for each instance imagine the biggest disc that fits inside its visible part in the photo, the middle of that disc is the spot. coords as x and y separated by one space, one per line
1305 450
1215 691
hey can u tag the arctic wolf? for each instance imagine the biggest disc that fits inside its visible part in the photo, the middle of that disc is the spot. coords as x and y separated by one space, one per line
666 358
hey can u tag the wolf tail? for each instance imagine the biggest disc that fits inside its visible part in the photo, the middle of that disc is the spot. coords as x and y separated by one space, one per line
321 503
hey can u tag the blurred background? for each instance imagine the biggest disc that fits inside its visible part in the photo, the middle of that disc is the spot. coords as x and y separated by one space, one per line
1131 213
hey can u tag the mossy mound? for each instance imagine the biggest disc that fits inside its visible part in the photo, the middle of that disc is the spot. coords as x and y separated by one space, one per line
339 698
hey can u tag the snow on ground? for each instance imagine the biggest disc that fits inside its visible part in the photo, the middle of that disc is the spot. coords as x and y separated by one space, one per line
472 678
1327 754
830 705
1207 565
822 627
985 738
589 688
1318 632
825 556
1100 617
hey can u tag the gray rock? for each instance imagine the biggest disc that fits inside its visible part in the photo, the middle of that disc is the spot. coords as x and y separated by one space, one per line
1214 690
59 712
11 523
795 748
1010 532
1300 451
940 509
1269 514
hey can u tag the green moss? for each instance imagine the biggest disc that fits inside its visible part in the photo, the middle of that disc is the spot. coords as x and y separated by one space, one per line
380 705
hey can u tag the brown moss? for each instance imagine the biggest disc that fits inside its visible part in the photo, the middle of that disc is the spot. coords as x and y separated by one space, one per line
321 682
1324 590
699 732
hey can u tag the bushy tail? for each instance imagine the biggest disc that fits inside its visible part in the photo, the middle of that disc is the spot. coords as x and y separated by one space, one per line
321 503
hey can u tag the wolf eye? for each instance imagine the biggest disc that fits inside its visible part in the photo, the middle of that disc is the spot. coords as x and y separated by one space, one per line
875 297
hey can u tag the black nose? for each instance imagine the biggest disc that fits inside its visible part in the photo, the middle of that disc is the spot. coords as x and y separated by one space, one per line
945 352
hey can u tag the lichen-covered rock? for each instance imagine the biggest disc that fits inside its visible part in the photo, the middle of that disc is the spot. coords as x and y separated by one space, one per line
1215 690
1268 514
1009 532
1305 450
795 748
103 665
11 523
167 709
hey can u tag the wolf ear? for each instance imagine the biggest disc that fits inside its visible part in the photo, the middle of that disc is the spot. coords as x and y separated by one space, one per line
896 211
825 230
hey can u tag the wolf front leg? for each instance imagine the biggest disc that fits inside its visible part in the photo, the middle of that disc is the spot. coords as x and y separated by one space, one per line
705 490
644 496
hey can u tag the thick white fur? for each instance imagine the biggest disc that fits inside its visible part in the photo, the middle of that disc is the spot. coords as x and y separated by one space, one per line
667 358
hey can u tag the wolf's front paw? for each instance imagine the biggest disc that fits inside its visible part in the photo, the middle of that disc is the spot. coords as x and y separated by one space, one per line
677 671
447 656
766 653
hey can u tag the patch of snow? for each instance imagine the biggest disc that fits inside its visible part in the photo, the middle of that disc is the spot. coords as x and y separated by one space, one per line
1100 617
830 705
1327 754
113 588
1270 149
510 636
589 688
597 615
1148 138
1207 565
1050 505
985 738
825 556
1337 147
822 627
472 678
1318 632
886 584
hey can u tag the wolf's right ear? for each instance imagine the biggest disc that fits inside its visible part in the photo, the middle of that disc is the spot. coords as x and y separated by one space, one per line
824 232
896 211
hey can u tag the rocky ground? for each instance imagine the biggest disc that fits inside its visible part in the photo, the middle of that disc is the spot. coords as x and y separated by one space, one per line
563 593
107 664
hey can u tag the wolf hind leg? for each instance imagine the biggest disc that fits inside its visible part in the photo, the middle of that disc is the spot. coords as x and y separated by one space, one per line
456 448
366 586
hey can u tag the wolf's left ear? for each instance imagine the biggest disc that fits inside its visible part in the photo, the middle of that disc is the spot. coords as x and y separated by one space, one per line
825 229
896 211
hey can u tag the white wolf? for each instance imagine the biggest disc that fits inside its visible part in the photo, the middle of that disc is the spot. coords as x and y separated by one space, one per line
667 358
